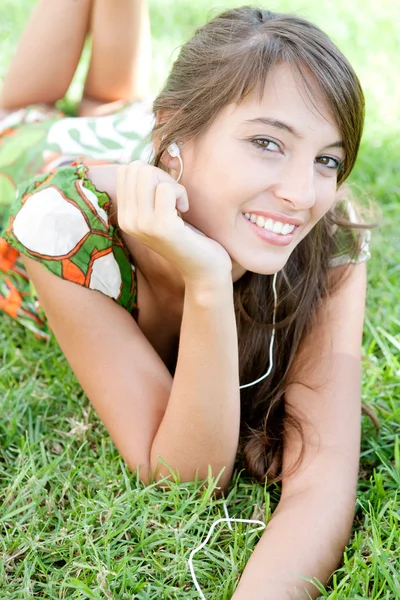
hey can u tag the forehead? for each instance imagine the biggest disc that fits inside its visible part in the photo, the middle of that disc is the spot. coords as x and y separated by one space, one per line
286 98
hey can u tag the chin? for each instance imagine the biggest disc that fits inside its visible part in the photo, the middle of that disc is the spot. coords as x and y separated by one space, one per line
268 266
267 271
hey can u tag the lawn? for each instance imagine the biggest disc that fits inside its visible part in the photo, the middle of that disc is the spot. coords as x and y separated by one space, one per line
74 523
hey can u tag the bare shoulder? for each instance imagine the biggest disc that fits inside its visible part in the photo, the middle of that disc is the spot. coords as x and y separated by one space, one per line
326 392
121 373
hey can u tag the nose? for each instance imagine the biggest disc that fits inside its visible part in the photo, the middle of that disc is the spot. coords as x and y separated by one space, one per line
296 184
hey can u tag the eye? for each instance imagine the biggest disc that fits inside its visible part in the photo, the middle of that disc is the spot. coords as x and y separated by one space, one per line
330 162
266 144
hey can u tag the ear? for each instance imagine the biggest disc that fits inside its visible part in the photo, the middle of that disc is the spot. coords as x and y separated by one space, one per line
168 161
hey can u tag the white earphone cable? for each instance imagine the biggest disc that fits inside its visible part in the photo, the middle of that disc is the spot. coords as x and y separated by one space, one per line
272 341
228 520
181 171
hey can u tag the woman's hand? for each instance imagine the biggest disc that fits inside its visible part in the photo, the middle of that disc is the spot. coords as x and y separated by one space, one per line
148 203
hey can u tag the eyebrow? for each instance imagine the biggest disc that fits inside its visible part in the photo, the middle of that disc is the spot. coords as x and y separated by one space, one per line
285 127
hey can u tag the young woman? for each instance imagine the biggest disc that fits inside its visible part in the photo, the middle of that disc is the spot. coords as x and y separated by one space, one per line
212 301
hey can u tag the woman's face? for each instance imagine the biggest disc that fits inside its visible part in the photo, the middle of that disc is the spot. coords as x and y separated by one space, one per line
274 162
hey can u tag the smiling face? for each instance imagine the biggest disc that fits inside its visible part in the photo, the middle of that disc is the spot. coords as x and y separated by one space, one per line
261 168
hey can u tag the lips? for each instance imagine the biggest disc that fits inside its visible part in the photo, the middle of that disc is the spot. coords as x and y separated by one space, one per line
269 224
276 239
276 217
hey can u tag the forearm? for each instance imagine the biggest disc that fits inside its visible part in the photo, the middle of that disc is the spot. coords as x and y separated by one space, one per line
306 535
201 423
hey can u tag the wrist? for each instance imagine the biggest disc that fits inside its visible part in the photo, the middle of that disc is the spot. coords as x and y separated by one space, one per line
209 291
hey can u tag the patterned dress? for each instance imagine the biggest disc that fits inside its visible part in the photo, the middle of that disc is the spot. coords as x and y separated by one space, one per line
49 209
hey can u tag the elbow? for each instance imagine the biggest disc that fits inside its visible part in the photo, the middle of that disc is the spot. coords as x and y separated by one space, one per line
153 470
164 476
160 475
140 466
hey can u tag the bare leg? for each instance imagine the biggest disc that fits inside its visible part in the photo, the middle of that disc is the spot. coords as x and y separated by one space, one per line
47 54
121 55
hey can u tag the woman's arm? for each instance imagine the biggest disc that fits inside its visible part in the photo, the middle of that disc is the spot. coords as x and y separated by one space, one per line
201 423
191 421
312 523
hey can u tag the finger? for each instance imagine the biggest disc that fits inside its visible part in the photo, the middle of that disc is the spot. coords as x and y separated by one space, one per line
128 211
149 178
147 182
165 203
132 179
182 202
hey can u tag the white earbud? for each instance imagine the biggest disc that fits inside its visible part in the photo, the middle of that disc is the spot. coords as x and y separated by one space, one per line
173 150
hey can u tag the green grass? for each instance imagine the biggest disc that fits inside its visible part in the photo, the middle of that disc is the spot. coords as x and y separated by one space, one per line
74 523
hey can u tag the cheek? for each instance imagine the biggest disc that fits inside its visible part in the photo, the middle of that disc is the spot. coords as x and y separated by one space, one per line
214 182
325 197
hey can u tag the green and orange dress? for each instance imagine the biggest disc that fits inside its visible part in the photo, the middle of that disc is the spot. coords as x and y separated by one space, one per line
50 210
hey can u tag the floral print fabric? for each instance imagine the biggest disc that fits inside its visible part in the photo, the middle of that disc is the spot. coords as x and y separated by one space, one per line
62 221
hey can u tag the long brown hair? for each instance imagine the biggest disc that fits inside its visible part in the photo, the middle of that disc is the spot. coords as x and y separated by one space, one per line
226 60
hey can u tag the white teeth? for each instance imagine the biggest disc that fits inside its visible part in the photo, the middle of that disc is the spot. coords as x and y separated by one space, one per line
269 224
260 221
